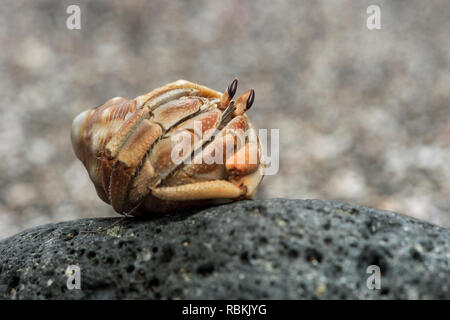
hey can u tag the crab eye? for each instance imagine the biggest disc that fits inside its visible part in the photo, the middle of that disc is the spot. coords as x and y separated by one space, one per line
251 99
232 88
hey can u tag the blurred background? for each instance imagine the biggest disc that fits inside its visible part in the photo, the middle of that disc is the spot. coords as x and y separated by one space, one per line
364 115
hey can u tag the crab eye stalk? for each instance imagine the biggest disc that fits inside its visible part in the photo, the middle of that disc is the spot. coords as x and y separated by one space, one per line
250 100
244 102
228 95
232 88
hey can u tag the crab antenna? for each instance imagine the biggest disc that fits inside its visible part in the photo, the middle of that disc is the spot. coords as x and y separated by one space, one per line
228 112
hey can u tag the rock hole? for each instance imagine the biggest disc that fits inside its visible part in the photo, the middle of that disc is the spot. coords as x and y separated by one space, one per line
244 257
72 234
374 256
154 282
337 269
292 253
206 269
130 268
14 283
167 253
416 255
91 255
327 225
313 255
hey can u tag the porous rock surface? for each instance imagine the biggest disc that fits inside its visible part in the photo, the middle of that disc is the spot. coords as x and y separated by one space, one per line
276 249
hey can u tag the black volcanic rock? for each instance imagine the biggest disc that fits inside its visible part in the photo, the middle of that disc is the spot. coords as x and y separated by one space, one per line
277 249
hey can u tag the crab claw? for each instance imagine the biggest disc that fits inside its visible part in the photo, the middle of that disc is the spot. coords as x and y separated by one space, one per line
244 102
228 94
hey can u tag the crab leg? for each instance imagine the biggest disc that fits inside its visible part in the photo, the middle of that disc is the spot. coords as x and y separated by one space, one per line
116 143
128 161
197 182
165 97
217 189
250 181
166 116
163 152
213 166
244 161
203 91
132 166
175 111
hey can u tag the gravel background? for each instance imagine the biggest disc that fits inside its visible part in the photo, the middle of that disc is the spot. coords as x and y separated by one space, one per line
363 115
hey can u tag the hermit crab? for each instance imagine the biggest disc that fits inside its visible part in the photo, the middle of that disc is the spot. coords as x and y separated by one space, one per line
179 146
